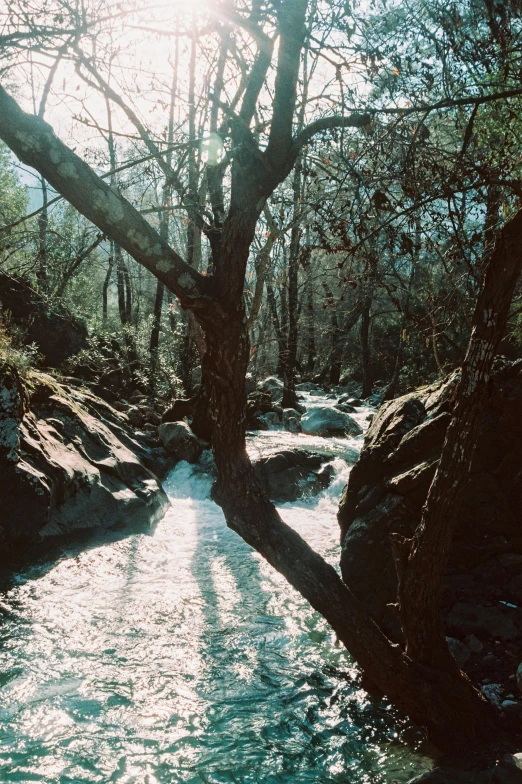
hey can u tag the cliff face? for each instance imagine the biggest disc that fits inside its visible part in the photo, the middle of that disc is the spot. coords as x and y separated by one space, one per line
68 462
389 484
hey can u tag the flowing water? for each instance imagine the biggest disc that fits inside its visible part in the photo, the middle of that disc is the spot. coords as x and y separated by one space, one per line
178 655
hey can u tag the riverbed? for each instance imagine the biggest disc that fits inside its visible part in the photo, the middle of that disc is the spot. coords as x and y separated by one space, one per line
177 655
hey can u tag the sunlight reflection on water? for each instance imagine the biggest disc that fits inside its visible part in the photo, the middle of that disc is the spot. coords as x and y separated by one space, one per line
182 657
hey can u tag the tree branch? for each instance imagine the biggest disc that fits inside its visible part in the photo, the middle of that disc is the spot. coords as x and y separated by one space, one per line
36 144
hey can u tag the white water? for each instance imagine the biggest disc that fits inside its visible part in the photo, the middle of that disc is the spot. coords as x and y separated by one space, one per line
181 656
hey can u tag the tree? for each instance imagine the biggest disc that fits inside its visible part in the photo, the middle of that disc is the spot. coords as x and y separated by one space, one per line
424 680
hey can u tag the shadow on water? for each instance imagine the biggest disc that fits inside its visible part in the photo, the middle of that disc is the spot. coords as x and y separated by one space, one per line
181 658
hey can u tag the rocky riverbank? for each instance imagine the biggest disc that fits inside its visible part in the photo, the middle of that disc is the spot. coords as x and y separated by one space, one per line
482 601
70 462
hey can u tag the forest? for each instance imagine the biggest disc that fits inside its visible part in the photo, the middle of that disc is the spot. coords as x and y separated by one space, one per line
261 391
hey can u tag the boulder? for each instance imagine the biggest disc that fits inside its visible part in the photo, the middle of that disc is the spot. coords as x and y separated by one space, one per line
292 474
350 401
345 408
388 486
328 422
180 442
69 462
250 384
306 386
271 421
274 387
259 403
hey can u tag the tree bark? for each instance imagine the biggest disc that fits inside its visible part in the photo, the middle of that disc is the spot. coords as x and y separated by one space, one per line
421 562
367 381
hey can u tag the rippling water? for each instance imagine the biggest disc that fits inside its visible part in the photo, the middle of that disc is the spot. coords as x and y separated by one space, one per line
180 656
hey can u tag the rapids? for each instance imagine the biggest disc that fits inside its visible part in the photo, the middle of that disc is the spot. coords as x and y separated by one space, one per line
179 656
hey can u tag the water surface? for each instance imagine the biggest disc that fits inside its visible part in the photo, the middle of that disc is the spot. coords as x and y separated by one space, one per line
179 656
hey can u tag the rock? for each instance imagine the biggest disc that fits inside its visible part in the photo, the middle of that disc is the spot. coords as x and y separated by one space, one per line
328 422
135 416
272 420
184 407
120 406
511 708
292 474
473 643
293 425
180 442
76 465
459 651
387 488
56 332
345 408
274 387
350 401
493 693
498 622
306 386
250 384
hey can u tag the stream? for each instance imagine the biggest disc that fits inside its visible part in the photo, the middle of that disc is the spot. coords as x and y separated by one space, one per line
178 655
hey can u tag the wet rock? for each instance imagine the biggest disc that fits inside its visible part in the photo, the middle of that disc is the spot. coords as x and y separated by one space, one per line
293 425
271 420
306 386
292 420
77 465
350 401
327 422
180 442
292 474
345 408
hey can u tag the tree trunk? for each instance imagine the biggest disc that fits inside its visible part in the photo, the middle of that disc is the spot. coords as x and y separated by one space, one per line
367 381
310 355
105 290
43 222
390 390
421 562
156 321
290 365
